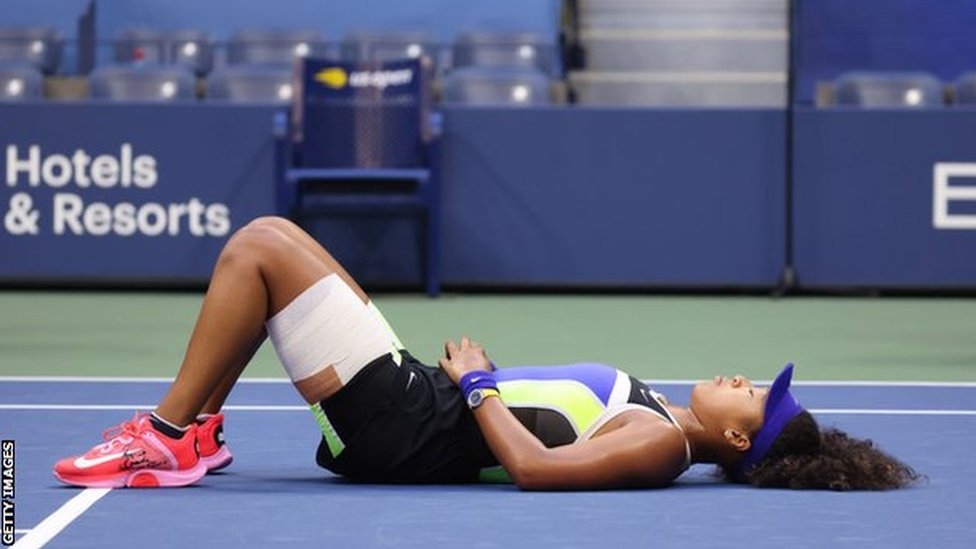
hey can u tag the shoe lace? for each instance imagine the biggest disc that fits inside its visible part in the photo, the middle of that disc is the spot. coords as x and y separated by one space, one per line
123 433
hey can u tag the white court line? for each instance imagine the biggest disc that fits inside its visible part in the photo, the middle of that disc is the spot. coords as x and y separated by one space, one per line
115 379
832 383
58 520
276 380
21 531
231 407
891 412
294 408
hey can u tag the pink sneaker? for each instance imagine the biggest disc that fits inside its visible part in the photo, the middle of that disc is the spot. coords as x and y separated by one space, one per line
135 455
214 453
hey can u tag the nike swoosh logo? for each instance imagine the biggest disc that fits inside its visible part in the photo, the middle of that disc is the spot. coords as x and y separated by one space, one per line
82 462
413 376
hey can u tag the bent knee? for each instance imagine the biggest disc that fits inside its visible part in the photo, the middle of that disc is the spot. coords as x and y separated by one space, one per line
256 241
272 222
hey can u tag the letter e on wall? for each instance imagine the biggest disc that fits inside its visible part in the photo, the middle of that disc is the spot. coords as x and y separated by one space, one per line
943 194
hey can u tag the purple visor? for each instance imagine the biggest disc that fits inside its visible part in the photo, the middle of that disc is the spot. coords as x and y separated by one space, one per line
781 407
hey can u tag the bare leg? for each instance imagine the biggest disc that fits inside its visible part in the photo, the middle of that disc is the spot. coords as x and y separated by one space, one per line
262 268
219 396
304 240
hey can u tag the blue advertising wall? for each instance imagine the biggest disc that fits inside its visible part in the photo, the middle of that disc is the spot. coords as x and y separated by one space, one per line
547 196
544 196
115 192
871 209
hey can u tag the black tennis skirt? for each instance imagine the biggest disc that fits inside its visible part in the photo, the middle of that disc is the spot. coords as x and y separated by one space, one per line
403 424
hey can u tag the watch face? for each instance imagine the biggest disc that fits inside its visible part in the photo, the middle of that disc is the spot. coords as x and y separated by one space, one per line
475 398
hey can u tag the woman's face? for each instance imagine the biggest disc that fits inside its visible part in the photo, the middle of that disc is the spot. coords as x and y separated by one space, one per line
729 403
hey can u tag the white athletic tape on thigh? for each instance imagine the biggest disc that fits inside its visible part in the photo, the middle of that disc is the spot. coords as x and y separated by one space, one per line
393 337
328 325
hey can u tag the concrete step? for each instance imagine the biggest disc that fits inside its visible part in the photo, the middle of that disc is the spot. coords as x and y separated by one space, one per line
687 50
684 89
684 14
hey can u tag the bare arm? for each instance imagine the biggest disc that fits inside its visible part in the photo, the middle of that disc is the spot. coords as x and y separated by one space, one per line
641 451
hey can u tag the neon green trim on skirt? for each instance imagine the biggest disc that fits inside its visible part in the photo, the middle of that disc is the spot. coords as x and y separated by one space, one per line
336 446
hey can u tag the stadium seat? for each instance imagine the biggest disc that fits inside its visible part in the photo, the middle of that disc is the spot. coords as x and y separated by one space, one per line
386 45
193 49
273 47
363 147
965 88
153 83
512 86
140 44
19 82
505 49
251 84
889 90
39 46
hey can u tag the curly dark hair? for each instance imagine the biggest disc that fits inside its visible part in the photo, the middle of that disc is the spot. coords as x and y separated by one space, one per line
805 458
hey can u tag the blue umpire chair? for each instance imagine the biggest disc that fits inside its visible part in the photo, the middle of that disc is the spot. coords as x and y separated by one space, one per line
361 145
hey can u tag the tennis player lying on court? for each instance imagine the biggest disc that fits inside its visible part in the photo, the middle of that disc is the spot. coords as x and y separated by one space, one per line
385 417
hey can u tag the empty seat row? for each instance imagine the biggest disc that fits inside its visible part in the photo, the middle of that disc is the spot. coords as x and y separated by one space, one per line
20 81
900 90
270 47
35 46
196 50
269 84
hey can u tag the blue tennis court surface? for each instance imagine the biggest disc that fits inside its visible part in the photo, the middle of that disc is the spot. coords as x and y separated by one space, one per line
274 495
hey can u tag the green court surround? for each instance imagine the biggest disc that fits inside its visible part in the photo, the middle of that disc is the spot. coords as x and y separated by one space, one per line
674 337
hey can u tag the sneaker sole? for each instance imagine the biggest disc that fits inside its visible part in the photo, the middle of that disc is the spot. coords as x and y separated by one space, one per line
218 461
147 478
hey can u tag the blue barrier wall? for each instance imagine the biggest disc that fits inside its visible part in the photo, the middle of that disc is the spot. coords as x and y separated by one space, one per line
614 196
548 196
442 18
832 36
60 14
869 207
543 196
114 192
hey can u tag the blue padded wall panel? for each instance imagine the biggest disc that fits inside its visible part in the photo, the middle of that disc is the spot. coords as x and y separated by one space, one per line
865 198
614 196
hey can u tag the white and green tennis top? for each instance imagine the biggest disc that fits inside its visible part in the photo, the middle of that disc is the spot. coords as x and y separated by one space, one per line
567 404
